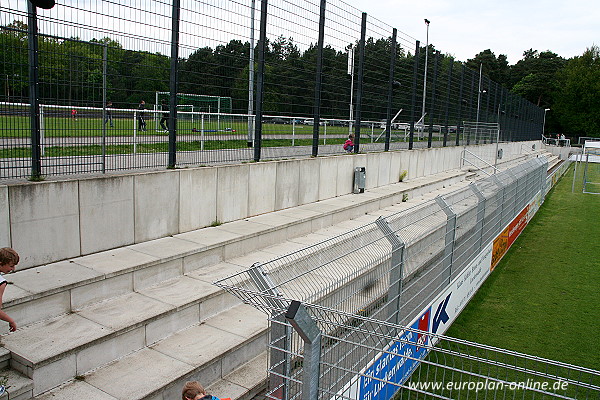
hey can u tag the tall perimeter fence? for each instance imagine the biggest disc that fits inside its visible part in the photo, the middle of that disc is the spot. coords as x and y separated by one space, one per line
240 81
362 315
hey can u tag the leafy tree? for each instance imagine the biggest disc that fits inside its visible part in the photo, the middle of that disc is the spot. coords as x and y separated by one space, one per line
14 72
577 96
496 68
533 77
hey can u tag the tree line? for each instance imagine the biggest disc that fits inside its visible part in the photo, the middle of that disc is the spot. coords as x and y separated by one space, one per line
71 73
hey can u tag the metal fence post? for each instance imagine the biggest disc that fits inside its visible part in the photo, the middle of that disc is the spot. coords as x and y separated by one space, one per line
359 87
432 107
251 78
470 105
480 213
449 236
34 100
487 103
104 121
280 332
460 103
447 105
413 96
299 318
318 80
173 84
397 263
388 120
260 80
502 188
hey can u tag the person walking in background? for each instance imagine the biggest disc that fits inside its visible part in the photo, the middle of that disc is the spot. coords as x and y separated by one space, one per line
165 115
108 114
141 116
74 114
9 258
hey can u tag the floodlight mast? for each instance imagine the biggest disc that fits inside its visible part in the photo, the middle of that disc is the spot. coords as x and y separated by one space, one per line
425 75
351 73
544 123
479 91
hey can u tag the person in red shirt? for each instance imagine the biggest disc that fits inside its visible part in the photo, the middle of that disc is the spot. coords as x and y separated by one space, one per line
349 144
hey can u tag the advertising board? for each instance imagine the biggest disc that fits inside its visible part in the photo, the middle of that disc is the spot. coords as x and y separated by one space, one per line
392 367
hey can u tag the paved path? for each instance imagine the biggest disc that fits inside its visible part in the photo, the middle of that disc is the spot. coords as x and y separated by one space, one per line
20 168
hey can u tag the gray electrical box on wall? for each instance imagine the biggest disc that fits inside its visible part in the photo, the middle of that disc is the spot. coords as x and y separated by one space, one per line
360 176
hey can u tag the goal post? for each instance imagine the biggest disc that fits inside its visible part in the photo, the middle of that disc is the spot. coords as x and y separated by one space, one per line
588 163
201 103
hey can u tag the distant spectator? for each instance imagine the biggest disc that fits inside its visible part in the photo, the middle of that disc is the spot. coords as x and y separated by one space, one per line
108 115
349 144
563 140
141 115
165 115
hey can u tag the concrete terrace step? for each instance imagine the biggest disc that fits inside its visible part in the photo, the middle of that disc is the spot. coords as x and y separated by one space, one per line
110 313
205 347
60 288
19 386
211 348
243 383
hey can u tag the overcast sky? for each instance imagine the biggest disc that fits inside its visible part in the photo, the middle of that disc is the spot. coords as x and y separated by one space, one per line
464 28
461 28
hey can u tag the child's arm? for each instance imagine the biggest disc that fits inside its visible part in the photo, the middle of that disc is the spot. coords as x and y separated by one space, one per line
4 316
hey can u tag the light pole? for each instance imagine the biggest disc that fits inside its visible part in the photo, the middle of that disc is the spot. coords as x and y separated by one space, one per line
544 123
351 73
479 91
425 76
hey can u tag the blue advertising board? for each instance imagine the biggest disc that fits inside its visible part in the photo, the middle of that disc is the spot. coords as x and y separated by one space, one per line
397 363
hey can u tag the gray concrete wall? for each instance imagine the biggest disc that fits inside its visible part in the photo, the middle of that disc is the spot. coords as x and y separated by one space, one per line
562 152
52 221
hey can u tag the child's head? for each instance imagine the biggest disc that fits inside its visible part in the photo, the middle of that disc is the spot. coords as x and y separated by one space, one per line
8 258
351 136
192 391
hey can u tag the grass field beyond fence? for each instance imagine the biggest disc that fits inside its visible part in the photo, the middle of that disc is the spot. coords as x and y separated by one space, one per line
543 298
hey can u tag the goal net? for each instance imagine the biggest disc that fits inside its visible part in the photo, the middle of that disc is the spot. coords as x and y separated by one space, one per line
587 167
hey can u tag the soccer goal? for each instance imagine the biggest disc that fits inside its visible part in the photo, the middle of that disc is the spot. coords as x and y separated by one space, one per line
184 112
215 108
587 167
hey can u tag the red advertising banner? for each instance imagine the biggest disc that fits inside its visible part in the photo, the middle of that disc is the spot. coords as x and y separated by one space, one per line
517 225
508 236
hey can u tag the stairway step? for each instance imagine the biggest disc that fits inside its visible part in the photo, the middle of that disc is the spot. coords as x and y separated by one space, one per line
77 389
244 382
139 307
205 352
241 384
18 386
95 335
